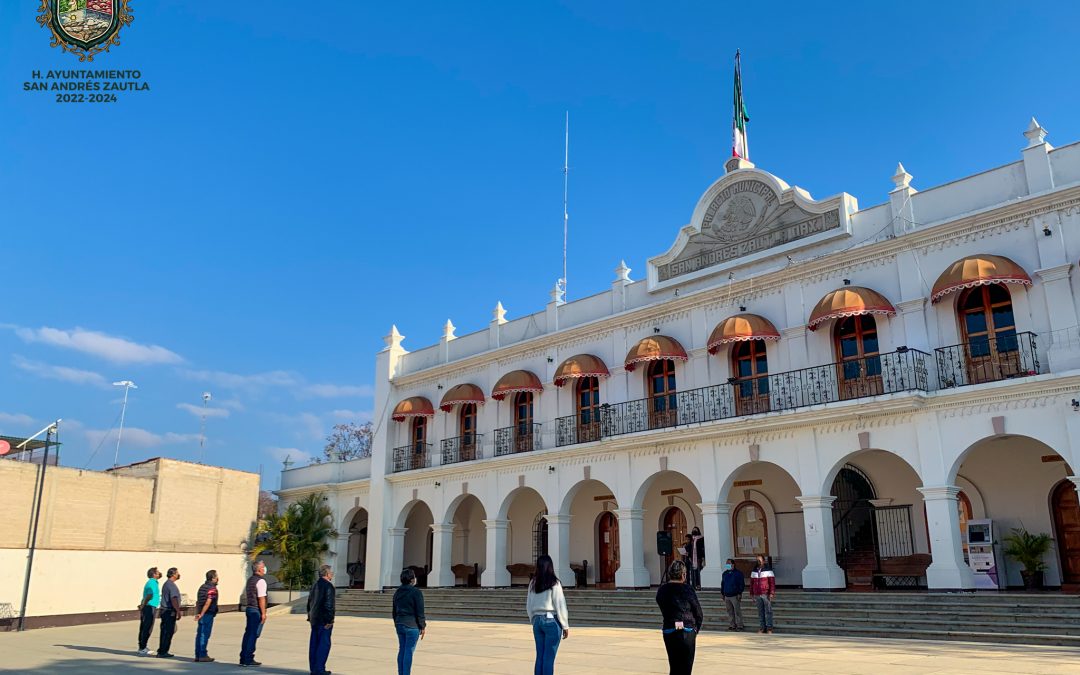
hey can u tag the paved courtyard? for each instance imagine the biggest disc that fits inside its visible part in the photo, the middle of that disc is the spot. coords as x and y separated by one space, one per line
363 646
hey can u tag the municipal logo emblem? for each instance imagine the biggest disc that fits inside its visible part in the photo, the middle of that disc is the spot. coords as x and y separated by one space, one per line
84 27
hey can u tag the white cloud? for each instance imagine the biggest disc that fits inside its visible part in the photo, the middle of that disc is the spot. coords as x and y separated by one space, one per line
253 382
16 419
358 416
134 437
294 455
61 373
337 390
303 426
108 347
232 404
199 411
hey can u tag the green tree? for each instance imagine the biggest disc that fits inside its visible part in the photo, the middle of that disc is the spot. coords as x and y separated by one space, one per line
298 538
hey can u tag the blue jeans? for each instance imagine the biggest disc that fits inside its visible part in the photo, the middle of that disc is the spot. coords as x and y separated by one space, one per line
252 631
202 634
406 639
319 648
548 634
764 609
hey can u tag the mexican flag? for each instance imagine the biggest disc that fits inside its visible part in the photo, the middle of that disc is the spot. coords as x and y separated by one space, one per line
740 147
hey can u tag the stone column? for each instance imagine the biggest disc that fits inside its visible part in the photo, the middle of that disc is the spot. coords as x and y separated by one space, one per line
442 547
716 528
495 572
632 572
559 547
340 560
396 540
948 571
1061 350
821 571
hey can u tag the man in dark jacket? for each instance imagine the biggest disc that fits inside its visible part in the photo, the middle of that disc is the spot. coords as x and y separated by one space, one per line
731 587
320 613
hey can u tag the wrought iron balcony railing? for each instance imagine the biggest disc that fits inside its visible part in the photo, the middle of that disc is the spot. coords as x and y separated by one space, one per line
581 428
518 438
902 370
414 456
987 359
462 448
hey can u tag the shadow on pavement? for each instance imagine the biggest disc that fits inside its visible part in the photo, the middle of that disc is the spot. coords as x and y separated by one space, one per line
147 664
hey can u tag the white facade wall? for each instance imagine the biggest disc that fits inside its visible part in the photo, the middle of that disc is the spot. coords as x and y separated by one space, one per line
917 448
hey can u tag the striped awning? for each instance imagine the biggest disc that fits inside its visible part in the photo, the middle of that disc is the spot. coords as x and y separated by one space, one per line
740 328
516 381
461 394
656 348
414 406
978 270
849 301
582 365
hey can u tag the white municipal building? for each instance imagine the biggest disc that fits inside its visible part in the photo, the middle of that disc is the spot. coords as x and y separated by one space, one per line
844 389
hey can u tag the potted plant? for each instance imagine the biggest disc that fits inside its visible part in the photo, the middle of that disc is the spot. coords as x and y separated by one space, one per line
297 538
1028 550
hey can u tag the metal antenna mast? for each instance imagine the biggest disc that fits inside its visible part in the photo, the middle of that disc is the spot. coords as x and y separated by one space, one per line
202 431
565 214
128 385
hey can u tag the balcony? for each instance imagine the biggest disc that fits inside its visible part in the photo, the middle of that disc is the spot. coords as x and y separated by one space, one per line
985 359
902 370
518 438
414 456
573 429
462 448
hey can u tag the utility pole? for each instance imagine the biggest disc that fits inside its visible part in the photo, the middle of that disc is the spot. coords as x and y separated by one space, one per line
202 430
127 385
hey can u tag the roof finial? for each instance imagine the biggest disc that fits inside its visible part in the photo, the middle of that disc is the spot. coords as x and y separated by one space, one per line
902 179
448 330
1035 133
499 315
393 338
557 293
622 272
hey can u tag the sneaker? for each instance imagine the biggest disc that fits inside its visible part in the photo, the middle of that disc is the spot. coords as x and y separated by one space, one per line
164 655
143 652
204 659
252 663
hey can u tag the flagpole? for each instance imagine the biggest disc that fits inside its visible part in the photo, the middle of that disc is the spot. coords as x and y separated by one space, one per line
742 106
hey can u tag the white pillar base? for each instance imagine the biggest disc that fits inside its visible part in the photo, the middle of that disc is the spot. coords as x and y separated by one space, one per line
716 528
948 571
632 572
495 574
821 571
559 548
396 540
442 543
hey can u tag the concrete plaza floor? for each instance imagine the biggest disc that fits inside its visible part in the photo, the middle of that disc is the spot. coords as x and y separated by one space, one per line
364 645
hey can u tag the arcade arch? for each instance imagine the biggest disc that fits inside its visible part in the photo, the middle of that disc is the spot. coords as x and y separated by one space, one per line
764 516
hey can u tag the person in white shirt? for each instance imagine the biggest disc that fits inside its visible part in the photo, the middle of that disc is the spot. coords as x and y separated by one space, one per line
546 606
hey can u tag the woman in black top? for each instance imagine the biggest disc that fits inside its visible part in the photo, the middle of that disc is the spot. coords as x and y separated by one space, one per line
408 620
682 619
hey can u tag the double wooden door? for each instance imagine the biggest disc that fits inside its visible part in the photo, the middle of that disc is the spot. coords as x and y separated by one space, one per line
608 534
1066 508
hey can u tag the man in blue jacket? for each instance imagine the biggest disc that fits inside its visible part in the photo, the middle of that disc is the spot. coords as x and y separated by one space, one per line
731 587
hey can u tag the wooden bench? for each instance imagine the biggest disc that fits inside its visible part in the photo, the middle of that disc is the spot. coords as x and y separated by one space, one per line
526 570
469 573
910 566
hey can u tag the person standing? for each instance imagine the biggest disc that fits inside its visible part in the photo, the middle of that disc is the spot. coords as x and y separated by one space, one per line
546 607
682 619
763 591
151 598
170 612
697 557
206 607
732 586
320 614
254 613
409 620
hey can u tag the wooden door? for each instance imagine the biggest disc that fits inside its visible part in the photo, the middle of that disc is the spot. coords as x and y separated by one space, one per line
992 350
467 426
1066 508
859 367
751 372
608 534
588 409
660 381
523 421
675 525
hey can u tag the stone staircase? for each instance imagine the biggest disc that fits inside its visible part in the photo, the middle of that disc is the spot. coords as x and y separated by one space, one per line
1017 618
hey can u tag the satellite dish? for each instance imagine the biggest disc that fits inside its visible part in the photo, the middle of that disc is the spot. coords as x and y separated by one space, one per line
5 447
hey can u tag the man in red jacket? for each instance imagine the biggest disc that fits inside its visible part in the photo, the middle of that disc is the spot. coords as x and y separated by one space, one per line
763 591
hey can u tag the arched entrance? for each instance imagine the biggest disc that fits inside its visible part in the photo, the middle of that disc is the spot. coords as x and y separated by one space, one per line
854 526
416 552
1066 509
357 552
675 525
607 532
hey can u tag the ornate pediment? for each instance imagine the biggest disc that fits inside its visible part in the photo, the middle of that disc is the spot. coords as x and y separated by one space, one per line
744 217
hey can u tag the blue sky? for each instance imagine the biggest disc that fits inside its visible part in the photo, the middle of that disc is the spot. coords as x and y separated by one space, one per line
298 178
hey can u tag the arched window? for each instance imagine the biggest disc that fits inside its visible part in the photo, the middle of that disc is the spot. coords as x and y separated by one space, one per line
660 381
467 428
588 409
751 530
750 368
986 318
540 535
523 421
857 352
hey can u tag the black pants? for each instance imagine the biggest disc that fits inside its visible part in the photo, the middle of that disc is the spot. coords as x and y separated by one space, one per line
146 625
680 646
168 627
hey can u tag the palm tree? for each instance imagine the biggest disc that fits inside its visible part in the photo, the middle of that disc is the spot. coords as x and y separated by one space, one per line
298 539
